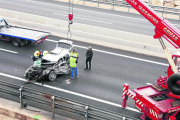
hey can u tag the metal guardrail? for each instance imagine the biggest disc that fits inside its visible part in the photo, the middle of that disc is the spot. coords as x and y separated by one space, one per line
123 3
57 105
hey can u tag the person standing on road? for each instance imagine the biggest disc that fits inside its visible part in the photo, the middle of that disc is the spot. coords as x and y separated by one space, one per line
35 56
74 52
73 66
89 55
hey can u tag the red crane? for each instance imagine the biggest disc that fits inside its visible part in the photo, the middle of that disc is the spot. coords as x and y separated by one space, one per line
160 101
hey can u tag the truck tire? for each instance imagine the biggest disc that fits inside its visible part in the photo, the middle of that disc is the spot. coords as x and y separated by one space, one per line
15 42
173 86
178 116
52 76
23 42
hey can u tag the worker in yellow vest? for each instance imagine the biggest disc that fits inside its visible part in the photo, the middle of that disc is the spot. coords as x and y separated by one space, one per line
73 66
76 53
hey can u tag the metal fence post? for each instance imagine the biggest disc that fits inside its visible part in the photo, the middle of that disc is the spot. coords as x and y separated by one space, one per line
124 118
86 115
53 106
98 3
113 4
21 96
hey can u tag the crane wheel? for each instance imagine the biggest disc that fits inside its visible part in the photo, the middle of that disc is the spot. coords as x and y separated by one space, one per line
173 86
178 116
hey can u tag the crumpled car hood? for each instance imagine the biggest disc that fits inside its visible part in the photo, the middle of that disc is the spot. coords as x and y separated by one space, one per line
56 54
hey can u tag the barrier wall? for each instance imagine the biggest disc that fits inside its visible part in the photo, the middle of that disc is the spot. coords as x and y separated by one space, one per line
91 34
10 110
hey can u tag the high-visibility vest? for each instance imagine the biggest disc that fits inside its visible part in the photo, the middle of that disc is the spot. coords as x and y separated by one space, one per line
72 53
72 62
36 54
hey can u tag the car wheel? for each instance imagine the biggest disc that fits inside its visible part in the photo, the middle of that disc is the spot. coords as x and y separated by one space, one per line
52 76
15 42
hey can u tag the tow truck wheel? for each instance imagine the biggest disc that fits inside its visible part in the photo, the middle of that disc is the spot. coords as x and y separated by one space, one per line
15 42
173 84
178 116
52 76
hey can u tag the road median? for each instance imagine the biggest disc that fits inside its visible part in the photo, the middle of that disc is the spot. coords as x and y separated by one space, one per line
86 33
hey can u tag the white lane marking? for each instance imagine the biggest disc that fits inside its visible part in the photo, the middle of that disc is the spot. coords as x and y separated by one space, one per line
84 18
94 11
51 40
149 83
8 50
14 77
60 14
70 92
125 56
86 10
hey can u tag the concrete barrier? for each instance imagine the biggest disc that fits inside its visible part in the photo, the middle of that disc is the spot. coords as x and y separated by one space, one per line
91 34
10 110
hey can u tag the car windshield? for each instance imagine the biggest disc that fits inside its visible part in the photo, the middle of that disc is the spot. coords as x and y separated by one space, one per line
64 45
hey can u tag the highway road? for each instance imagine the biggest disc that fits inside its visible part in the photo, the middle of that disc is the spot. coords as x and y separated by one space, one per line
86 15
101 87
111 68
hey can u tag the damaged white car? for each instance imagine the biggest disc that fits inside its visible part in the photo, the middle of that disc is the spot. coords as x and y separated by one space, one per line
54 63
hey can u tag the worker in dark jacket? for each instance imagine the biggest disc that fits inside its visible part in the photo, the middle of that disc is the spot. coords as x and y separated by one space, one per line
89 55
39 54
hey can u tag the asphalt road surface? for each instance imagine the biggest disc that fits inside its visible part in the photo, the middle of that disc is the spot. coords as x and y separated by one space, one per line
101 87
111 68
117 20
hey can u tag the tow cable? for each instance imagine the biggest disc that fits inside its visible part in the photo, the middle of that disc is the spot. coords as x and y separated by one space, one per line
70 16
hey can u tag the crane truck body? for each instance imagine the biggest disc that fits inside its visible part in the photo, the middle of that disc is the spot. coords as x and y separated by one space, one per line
160 101
20 36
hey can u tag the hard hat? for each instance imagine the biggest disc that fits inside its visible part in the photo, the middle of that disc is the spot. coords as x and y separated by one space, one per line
74 50
36 54
45 52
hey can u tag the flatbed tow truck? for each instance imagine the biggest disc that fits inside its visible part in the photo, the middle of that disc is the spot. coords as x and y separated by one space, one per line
20 36
160 101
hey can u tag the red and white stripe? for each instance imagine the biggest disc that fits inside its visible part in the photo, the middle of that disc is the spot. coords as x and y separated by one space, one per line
124 92
152 112
139 102
130 95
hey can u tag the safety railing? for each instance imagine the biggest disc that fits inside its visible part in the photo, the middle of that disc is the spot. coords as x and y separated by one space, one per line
55 104
123 3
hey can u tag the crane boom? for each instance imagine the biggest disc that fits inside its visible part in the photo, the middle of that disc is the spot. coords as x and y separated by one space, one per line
162 27
159 101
